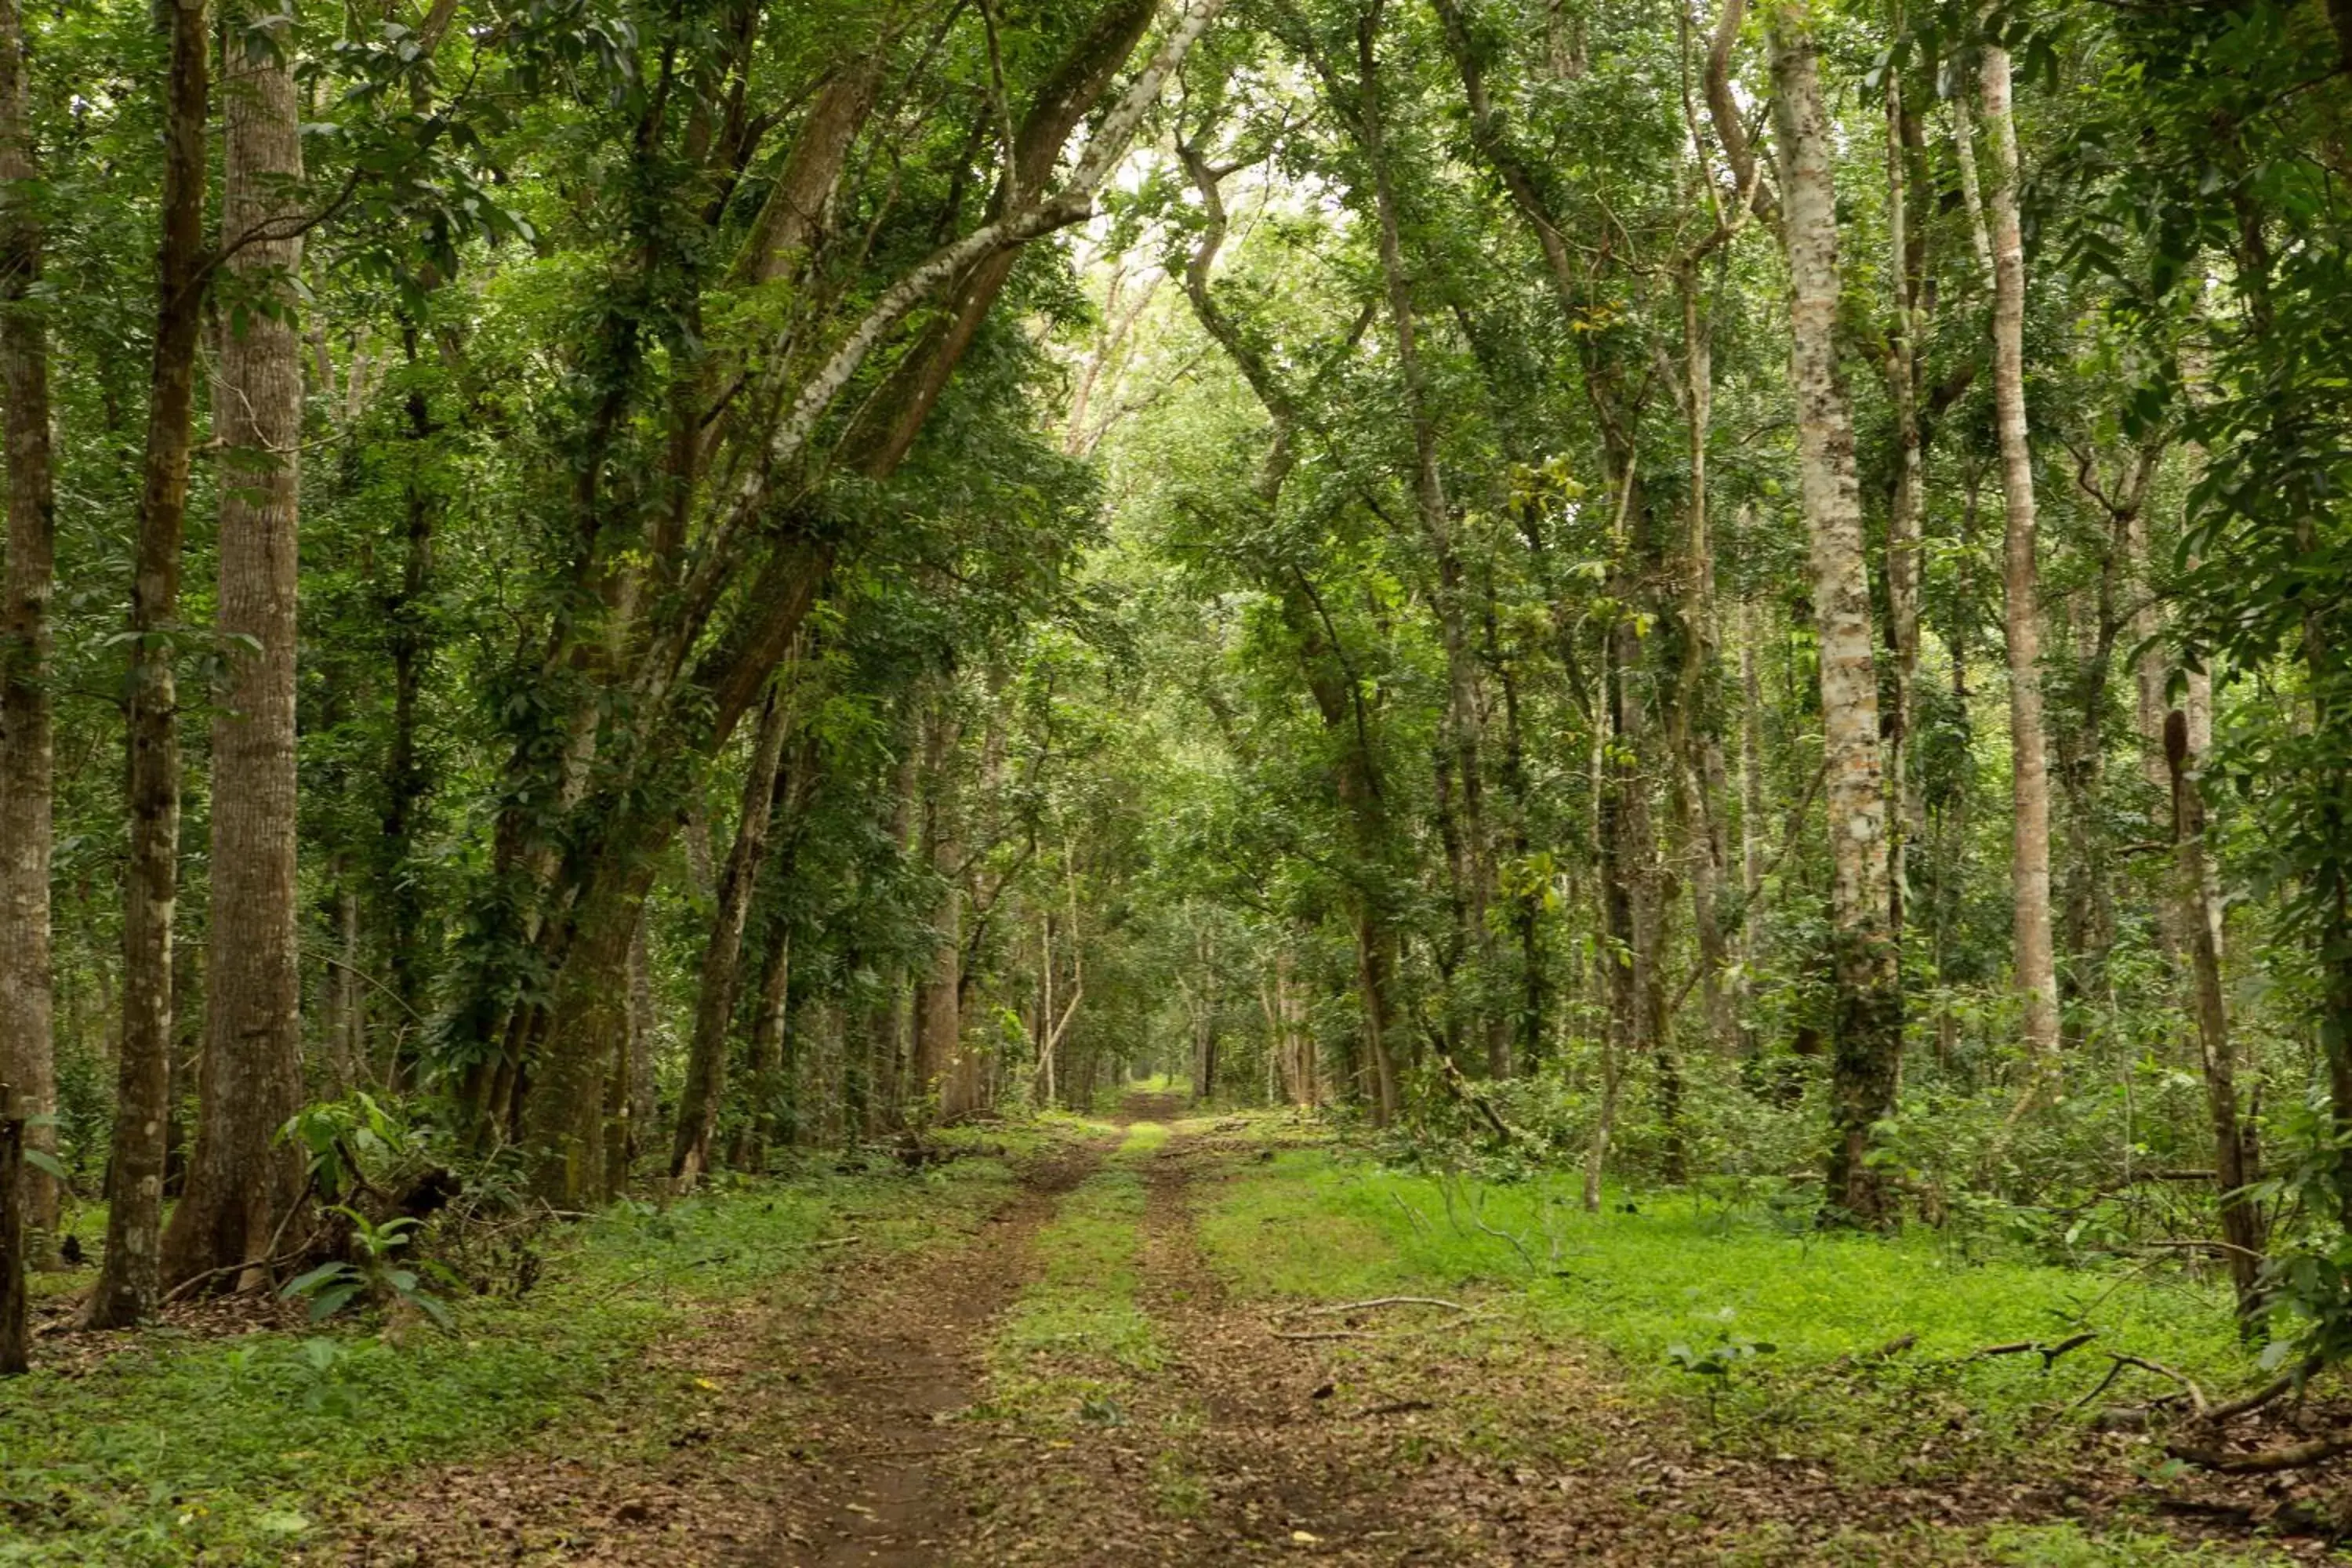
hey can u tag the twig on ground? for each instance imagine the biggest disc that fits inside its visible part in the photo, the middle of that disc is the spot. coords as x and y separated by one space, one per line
2197 1399
188 1285
2048 1352
1338 1308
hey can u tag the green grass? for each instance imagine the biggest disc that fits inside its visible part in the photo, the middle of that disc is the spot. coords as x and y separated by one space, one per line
1683 1271
2066 1544
175 1449
1077 1331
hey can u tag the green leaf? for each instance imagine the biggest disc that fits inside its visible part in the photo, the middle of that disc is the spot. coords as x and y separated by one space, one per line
316 1278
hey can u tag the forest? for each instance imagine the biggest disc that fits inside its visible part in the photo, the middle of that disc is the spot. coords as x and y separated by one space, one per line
1175 781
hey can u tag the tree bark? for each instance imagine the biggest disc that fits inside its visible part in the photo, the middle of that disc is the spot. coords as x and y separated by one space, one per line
1472 868
244 1183
1869 1003
1903 519
2199 902
938 1009
2035 963
766 1122
129 1284
714 1016
27 754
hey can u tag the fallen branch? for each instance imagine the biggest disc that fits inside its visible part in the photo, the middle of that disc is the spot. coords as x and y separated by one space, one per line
1342 1308
2049 1354
2285 1382
2263 1461
2196 1396
1393 1407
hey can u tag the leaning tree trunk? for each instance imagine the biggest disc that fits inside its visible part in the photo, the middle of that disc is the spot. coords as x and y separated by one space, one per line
1869 1017
128 1286
714 1014
2036 968
244 1183
27 1040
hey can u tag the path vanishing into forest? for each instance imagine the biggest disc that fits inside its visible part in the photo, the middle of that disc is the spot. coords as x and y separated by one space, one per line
1071 1380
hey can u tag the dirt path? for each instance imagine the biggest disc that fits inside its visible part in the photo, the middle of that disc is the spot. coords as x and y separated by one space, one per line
877 1415
875 1487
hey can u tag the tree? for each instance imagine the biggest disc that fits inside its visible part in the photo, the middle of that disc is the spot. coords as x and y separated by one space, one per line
245 1183
1869 1008
27 1044
130 1286
2037 980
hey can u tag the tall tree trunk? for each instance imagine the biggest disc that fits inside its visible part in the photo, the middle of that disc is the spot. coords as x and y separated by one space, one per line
2200 903
2035 959
938 1007
1869 1001
129 1286
1752 816
714 1014
1474 861
28 1035
763 1063
1698 740
244 1184
1903 519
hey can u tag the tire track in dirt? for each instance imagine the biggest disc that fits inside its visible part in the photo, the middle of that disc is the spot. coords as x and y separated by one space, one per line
877 1486
1274 1467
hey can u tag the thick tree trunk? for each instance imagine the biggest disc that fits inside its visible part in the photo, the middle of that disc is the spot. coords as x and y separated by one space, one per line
587 1028
2035 963
244 1183
28 1034
714 1014
129 1286
1869 1006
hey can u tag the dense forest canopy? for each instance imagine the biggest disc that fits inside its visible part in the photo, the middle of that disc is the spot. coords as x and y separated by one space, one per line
600 591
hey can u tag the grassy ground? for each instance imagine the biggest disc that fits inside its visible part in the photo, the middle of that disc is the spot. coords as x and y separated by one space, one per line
1786 1321
174 1446
1062 1352
1682 1271
1582 1351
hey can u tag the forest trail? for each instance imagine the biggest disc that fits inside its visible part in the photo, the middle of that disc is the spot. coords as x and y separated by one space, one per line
894 1371
1187 1454
1129 1352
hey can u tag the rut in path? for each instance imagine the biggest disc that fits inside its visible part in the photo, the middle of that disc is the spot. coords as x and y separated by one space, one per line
897 1363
